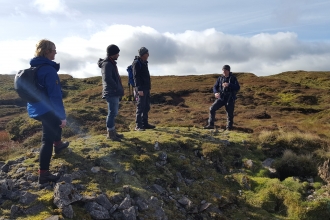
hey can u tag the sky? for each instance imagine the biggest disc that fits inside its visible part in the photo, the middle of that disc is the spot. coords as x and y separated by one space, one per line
264 37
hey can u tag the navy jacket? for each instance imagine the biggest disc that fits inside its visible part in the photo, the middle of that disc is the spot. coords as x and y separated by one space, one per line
141 74
231 90
51 99
110 78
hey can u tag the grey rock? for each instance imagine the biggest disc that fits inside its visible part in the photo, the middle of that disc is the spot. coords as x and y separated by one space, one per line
268 162
156 146
97 211
79 186
215 210
6 187
158 189
65 194
21 183
204 206
19 160
125 204
217 196
20 170
160 163
117 198
162 156
156 211
248 164
54 217
114 208
87 198
67 211
180 178
10 162
77 175
95 169
188 181
5 168
27 198
141 204
184 201
66 178
104 201
129 214
35 209
15 211
182 157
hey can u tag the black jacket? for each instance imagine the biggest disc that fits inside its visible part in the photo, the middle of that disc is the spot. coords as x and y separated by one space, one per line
231 90
141 74
110 78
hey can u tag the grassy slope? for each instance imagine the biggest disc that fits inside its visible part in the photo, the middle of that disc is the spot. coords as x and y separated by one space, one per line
295 102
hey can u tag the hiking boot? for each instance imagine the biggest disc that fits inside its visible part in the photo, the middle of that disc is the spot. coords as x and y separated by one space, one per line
209 127
139 129
149 126
113 136
59 147
119 135
46 176
229 128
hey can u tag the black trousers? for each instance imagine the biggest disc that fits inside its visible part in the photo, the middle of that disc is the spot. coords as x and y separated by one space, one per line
142 109
229 105
51 132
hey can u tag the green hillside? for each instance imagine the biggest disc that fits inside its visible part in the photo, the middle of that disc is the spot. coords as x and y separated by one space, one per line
284 117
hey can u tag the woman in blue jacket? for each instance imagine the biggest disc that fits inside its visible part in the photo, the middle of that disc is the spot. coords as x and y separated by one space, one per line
49 109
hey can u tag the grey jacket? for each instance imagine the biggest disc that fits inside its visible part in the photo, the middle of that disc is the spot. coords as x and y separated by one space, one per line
111 81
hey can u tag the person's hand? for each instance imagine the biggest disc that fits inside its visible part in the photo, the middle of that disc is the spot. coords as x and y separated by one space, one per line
217 95
225 85
140 93
63 123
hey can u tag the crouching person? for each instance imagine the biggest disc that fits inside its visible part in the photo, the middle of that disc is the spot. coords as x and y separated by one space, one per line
49 108
112 89
225 90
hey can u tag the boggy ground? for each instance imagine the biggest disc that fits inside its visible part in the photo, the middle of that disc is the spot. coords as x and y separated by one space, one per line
284 117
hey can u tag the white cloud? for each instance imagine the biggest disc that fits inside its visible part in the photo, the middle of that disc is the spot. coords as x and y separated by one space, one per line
191 52
54 7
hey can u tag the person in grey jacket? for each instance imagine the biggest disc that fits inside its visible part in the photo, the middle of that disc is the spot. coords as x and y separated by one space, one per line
112 89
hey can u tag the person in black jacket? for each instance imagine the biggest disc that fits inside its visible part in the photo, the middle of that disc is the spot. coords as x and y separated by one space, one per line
225 90
142 82
112 89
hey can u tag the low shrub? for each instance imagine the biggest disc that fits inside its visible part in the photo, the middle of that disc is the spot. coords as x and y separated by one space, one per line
291 164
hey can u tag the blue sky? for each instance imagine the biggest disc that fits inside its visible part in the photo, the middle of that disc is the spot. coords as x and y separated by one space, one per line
183 37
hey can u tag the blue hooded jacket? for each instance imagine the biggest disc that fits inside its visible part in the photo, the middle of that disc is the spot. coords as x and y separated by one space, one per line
51 99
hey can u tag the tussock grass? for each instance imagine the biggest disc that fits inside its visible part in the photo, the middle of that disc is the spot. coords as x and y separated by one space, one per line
296 141
292 164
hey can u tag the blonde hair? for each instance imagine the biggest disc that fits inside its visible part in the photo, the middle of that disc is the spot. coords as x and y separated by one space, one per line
42 47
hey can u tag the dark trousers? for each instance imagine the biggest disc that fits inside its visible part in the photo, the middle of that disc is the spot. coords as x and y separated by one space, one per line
142 109
229 109
51 132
